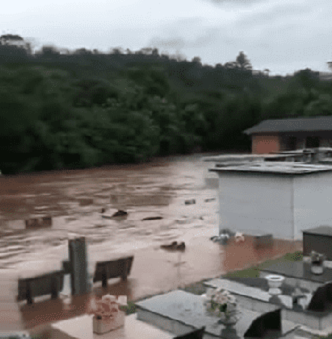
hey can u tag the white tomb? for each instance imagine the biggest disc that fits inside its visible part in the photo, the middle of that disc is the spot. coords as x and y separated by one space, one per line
281 198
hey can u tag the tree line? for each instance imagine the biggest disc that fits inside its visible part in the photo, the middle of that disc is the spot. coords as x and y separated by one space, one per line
76 109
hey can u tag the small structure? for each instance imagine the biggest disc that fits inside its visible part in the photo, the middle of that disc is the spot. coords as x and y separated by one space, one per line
291 134
318 239
280 198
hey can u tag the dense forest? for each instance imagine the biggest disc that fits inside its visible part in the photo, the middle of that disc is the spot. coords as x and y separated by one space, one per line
82 108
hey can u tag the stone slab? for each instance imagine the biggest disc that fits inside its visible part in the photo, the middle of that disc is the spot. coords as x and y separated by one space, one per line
256 299
82 328
180 311
299 270
256 293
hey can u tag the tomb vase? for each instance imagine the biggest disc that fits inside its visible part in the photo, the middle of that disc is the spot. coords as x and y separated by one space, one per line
317 267
229 319
102 325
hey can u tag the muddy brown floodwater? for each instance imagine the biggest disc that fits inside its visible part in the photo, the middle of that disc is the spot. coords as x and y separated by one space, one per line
157 189
75 198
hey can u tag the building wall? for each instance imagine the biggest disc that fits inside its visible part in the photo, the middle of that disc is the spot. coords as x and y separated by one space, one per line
257 202
263 144
312 201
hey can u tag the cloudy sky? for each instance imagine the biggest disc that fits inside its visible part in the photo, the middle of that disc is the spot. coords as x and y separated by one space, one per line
280 35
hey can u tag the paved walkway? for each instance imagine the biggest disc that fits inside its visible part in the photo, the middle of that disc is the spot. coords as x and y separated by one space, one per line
154 271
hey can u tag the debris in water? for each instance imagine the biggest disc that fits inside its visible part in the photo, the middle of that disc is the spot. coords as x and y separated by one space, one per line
152 218
190 202
174 246
120 213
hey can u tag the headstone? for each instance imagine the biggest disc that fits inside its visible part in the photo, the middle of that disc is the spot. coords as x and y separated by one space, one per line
264 324
79 266
322 299
195 334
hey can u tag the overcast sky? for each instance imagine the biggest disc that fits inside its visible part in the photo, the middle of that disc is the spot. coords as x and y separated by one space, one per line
280 35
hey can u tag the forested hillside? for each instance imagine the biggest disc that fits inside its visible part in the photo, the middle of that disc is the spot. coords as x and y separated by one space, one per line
86 108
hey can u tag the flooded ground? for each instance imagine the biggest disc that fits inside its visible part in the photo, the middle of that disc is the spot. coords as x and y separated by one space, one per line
157 189
74 199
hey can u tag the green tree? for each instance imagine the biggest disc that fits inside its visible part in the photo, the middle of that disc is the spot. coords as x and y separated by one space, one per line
243 62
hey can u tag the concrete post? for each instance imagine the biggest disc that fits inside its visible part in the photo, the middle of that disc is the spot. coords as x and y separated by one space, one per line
79 266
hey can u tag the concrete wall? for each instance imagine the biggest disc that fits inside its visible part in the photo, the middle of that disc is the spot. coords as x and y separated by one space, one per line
312 201
256 201
263 144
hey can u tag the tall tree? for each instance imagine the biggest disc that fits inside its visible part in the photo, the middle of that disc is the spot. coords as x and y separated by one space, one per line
243 62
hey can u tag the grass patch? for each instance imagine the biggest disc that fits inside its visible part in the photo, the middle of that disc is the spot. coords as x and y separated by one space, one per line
197 288
253 272
130 308
296 256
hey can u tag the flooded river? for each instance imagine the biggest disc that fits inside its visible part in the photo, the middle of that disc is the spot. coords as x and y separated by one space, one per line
75 199
156 189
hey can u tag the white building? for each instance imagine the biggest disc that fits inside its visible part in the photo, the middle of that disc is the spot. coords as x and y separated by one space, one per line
278 198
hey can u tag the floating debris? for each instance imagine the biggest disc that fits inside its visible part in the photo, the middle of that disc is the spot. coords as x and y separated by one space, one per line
120 213
152 218
174 246
208 200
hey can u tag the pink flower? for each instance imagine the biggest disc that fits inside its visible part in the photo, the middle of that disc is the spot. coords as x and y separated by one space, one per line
105 308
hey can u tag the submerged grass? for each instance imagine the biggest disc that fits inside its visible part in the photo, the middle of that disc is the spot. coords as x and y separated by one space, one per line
253 272
197 288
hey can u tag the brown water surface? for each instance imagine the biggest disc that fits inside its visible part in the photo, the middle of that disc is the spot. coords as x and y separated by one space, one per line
74 199
156 189
147 190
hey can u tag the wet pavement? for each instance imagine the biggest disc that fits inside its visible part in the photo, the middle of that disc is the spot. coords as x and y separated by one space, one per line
158 189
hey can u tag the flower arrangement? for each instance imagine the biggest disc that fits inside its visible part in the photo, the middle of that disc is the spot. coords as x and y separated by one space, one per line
317 258
105 308
107 313
221 303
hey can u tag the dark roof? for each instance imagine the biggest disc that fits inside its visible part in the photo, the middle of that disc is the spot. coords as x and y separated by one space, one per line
293 125
321 230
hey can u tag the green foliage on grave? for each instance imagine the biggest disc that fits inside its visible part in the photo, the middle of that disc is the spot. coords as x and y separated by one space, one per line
130 308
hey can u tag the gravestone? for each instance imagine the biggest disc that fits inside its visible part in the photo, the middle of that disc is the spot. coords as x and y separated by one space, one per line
195 334
321 301
79 266
264 325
